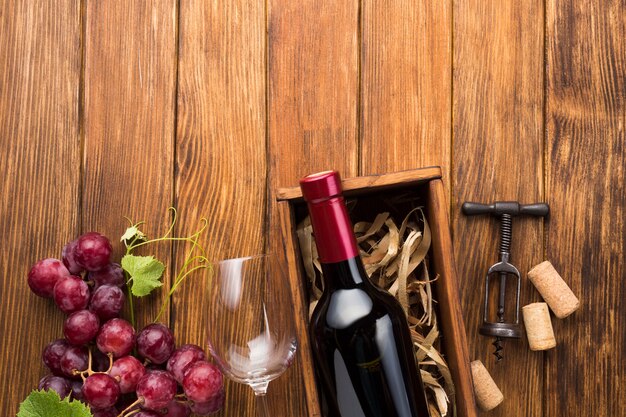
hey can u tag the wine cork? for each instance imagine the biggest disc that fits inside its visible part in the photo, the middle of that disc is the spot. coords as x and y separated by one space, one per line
538 326
488 395
553 289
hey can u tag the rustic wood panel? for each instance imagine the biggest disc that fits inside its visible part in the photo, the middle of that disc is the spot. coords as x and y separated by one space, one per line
40 170
130 84
220 153
586 189
497 151
313 84
312 114
406 86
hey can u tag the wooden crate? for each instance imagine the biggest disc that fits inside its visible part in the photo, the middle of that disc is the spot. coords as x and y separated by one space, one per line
427 183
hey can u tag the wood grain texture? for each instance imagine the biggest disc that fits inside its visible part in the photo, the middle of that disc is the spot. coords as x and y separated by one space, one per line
313 82
498 152
312 116
586 189
130 84
405 85
40 147
220 155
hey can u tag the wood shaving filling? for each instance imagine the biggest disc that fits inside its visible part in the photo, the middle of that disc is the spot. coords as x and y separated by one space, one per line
395 259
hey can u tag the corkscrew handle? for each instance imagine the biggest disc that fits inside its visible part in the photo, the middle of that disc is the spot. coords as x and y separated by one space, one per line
512 208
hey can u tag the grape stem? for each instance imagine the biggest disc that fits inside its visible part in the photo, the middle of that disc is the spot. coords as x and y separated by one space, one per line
110 355
191 263
128 411
87 371
182 274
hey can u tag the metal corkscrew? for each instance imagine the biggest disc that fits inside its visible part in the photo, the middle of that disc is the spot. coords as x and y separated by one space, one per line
506 210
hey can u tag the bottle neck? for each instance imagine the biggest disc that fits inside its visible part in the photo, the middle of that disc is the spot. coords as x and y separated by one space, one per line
332 229
344 274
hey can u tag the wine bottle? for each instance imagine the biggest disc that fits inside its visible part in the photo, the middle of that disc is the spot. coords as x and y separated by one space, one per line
360 338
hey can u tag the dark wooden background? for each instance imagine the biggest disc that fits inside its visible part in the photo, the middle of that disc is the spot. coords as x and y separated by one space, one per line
112 108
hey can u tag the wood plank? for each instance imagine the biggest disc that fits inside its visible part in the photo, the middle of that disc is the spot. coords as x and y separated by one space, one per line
406 68
130 83
497 153
585 183
220 152
312 119
313 79
40 167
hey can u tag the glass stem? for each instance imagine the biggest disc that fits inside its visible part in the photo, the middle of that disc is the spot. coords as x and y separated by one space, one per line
262 409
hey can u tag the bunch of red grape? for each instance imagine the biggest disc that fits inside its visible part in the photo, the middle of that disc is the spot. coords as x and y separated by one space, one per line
95 362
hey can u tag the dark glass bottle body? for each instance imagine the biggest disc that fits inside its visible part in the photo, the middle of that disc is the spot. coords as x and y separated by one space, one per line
362 348
359 333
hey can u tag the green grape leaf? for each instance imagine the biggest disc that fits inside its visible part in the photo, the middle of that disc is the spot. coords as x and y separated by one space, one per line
49 404
145 273
131 233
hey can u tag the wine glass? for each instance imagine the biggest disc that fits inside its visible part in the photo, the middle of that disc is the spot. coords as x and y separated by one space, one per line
252 334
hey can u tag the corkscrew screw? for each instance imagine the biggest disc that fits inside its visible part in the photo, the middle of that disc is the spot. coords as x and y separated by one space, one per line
506 210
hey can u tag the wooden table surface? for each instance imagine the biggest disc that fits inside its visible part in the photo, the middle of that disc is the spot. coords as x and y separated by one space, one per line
113 108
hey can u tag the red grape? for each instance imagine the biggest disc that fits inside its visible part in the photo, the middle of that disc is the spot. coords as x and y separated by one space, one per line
127 371
176 409
107 301
55 383
77 390
52 355
67 255
81 327
116 336
71 294
44 275
155 343
202 381
101 391
75 358
92 251
211 406
111 274
182 358
156 389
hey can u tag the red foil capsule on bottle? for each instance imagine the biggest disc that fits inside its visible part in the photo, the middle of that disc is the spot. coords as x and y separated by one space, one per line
333 228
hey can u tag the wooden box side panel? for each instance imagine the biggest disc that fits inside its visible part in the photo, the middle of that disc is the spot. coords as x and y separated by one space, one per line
447 292
300 306
372 183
